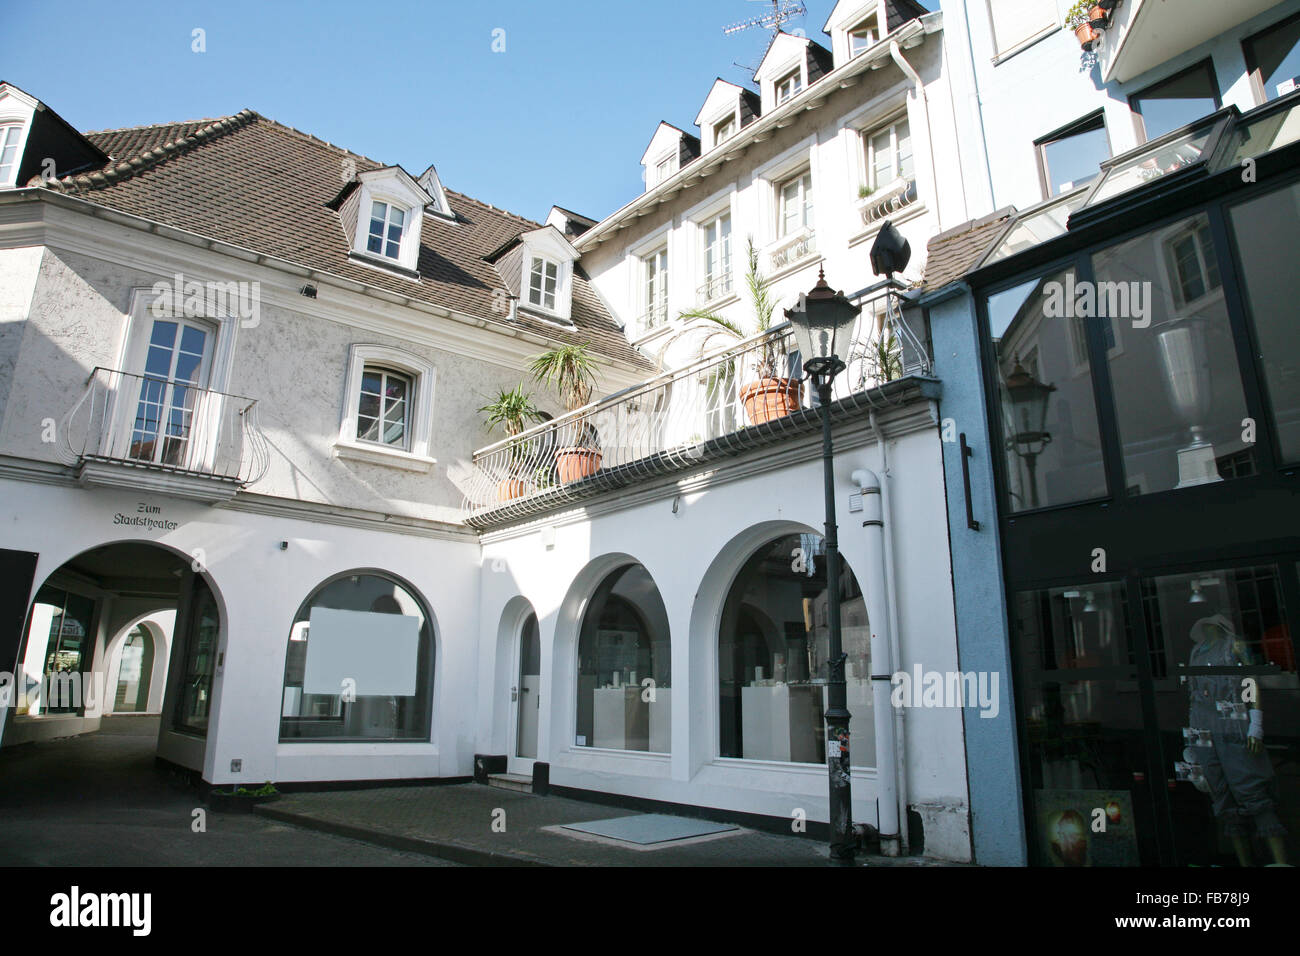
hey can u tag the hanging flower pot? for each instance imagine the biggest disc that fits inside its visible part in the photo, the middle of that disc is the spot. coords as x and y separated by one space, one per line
574 464
770 398
1098 15
1086 34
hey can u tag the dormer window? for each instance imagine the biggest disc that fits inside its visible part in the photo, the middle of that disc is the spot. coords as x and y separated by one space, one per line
788 86
664 168
724 130
387 223
543 281
862 36
10 134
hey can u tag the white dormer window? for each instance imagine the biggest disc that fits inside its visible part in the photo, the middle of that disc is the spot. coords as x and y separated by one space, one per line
543 282
862 36
10 135
387 223
724 130
664 169
788 86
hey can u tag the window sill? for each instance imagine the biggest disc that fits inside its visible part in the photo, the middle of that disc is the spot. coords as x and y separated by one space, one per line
382 455
1024 45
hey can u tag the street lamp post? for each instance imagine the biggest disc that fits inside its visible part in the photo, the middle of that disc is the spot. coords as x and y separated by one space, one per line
1029 398
823 326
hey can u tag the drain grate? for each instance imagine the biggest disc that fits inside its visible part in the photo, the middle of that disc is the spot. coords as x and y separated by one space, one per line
651 829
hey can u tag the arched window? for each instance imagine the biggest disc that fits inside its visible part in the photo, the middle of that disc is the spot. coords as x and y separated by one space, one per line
624 666
359 664
773 647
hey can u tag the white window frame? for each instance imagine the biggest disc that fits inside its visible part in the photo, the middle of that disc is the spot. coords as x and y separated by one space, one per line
394 188
715 219
729 121
795 75
869 136
549 245
870 25
664 168
1168 266
384 241
385 375
655 276
19 130
807 203
532 272
420 372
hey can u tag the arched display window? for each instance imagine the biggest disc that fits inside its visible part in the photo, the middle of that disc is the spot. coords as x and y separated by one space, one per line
773 648
624 666
359 664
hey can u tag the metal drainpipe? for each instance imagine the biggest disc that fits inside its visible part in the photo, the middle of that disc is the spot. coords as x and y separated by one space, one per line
882 666
896 52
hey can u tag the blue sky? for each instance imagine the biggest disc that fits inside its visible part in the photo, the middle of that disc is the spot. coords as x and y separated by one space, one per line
561 116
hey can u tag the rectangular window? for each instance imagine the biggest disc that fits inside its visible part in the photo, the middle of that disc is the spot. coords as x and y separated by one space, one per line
383 412
386 225
1178 396
1173 103
655 270
1267 232
889 155
1049 419
863 36
543 278
663 169
1273 58
9 136
1018 21
717 258
788 86
58 652
795 204
171 392
724 130
1072 156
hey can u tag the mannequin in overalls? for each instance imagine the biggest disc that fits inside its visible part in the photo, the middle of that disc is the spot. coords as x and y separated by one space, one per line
1226 739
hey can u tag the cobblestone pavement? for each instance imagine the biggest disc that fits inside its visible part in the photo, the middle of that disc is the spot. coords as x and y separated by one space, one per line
98 800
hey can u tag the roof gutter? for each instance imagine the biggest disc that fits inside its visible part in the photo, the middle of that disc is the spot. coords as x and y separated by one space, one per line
910 34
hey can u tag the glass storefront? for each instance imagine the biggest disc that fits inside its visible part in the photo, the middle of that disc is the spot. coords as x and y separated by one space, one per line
359 665
624 666
773 648
58 652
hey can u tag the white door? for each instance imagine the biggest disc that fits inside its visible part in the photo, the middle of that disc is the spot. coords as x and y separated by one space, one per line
526 698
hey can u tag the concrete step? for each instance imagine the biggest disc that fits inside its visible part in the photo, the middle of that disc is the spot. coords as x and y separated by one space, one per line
511 781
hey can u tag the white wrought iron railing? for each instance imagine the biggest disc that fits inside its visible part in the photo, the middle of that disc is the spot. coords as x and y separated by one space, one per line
879 206
156 423
714 288
799 246
653 317
752 390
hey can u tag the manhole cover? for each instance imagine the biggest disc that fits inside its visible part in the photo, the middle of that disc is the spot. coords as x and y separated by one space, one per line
650 829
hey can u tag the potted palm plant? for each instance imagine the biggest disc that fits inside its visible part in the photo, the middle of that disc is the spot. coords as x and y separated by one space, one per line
571 371
769 396
513 410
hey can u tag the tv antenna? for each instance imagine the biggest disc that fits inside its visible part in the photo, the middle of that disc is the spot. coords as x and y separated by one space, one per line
782 12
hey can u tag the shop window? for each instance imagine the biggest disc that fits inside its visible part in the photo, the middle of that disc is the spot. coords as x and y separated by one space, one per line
1083 743
1226 693
1177 101
58 653
359 665
1073 156
1051 441
1267 232
624 666
1173 431
773 649
201 633
1273 57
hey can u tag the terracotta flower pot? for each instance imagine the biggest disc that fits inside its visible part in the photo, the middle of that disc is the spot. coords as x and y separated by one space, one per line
770 398
511 488
1086 35
574 464
1098 14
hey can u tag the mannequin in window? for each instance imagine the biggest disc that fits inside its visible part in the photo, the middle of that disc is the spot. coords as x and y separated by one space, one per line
1228 741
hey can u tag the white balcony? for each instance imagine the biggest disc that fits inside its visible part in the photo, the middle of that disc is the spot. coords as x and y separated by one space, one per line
149 433
1143 34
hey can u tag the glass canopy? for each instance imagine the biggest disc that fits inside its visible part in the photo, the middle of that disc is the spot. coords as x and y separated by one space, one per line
1037 225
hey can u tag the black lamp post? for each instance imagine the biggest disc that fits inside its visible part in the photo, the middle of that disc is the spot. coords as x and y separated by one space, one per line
1029 398
823 328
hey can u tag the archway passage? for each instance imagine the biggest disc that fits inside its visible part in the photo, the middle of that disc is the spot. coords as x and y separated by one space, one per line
773 656
98 644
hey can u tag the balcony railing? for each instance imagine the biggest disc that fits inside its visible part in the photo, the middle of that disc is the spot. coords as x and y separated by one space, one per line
799 246
751 393
653 317
165 425
883 204
714 288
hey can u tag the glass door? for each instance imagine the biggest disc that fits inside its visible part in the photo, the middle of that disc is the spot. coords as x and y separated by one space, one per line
163 424
201 633
526 697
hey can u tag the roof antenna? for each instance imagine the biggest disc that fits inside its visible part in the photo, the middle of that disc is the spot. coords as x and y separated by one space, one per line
782 11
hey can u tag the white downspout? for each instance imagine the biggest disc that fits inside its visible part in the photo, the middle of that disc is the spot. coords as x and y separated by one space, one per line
875 592
896 52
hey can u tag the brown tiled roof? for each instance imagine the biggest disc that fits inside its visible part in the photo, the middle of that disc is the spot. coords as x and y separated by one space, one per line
258 184
950 255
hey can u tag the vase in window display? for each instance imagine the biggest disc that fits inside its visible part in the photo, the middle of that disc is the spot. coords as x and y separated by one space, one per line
1185 363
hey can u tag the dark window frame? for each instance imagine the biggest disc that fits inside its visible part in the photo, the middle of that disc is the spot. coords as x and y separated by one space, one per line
1139 122
1252 64
1085 124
